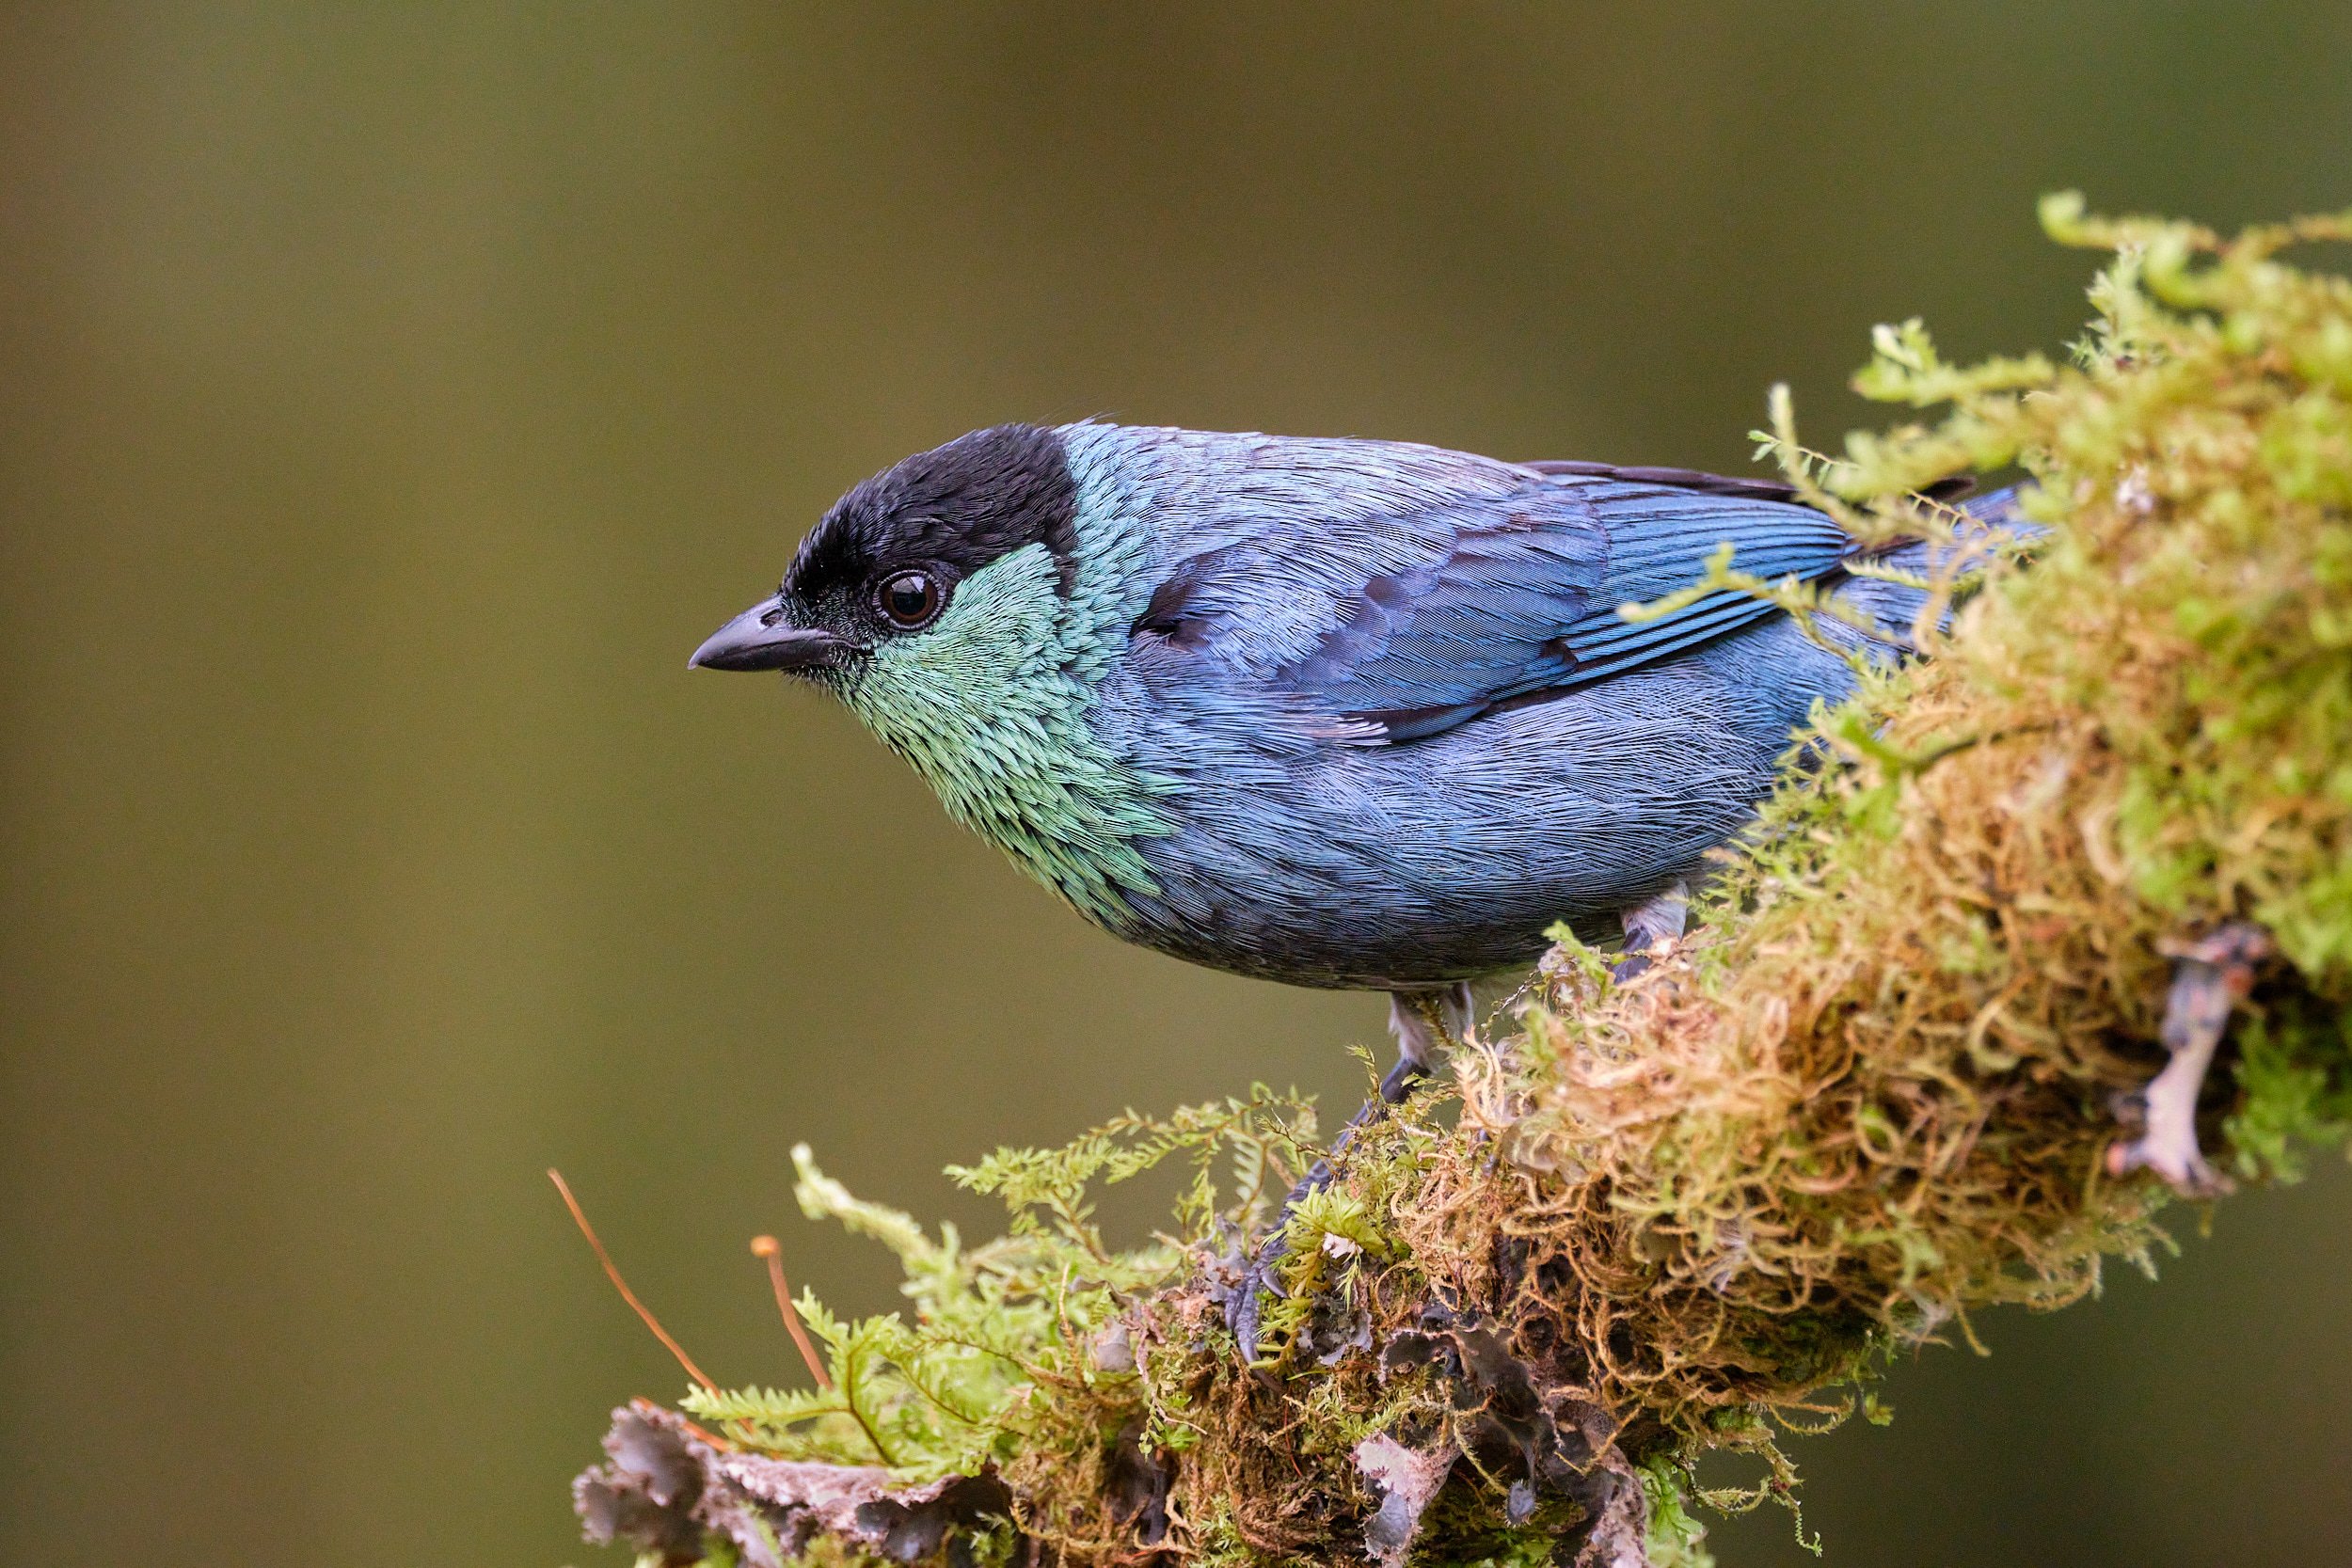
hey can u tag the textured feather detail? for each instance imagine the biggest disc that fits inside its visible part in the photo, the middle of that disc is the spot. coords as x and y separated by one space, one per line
1660 540
1746 486
992 704
1347 713
1427 588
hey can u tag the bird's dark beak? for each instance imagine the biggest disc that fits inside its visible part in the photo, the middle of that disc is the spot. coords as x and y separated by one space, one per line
762 638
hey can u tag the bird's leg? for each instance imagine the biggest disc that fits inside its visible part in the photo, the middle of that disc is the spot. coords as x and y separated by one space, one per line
1424 1024
1655 919
2209 977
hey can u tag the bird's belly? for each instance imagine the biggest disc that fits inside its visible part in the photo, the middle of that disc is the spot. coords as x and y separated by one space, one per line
1451 857
1361 917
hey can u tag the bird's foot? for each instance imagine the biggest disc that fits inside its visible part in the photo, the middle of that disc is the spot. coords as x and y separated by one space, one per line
2209 977
1259 1272
1335 1320
1655 920
1258 1277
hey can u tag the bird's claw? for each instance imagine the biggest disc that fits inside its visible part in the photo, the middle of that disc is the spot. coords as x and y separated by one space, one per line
2209 977
1629 965
1259 1274
1244 1300
2164 1149
1652 928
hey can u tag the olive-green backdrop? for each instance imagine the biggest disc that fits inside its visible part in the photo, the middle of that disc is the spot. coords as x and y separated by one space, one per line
390 396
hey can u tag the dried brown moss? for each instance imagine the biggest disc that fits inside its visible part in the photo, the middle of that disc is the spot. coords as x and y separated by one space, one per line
1875 1091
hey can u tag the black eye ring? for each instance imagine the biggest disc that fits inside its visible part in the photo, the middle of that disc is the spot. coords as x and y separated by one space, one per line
910 600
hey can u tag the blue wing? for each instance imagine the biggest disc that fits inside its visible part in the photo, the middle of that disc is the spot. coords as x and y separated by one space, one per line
1399 626
1660 539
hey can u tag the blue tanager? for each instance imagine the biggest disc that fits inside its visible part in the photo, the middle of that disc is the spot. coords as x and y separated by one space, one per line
1340 713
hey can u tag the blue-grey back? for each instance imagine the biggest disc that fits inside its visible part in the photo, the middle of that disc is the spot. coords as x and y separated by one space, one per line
1404 728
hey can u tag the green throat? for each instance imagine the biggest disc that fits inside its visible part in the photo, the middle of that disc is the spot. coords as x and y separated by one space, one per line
989 705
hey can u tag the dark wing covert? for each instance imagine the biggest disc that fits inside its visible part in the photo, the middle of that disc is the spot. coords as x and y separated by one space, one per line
1504 600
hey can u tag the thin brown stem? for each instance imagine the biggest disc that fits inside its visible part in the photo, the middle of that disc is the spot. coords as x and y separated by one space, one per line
621 1285
766 1248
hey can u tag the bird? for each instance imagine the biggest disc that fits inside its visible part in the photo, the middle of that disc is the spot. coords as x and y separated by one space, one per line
1335 712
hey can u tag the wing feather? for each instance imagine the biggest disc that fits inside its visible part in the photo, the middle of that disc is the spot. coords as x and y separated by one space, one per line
1417 623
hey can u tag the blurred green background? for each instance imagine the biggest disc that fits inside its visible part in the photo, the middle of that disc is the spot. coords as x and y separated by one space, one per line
393 395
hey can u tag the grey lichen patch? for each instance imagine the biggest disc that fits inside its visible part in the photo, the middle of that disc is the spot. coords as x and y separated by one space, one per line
1873 1092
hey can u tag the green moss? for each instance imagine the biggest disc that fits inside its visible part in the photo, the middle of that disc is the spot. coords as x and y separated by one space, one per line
1675 1540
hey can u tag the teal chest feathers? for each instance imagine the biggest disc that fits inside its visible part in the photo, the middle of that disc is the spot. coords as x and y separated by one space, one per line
989 705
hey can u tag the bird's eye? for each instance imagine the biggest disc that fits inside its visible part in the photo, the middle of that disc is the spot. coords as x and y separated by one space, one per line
910 599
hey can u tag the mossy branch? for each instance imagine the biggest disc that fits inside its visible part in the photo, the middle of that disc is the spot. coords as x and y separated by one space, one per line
1934 1045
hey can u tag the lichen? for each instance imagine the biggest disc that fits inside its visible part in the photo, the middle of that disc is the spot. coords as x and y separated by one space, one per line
1872 1094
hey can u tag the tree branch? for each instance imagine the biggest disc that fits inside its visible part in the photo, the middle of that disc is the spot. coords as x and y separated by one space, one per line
1872 1093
